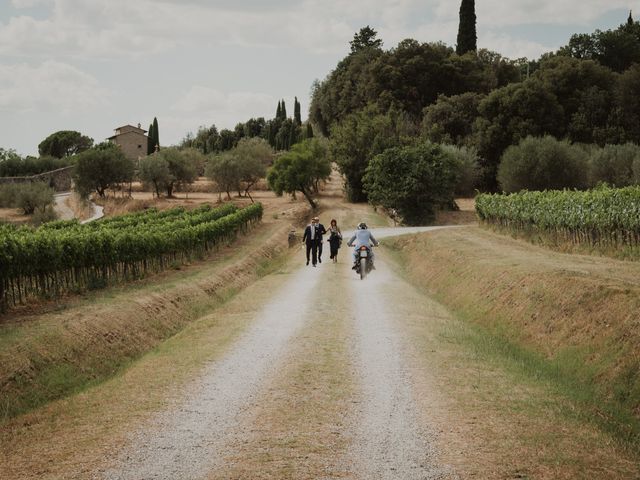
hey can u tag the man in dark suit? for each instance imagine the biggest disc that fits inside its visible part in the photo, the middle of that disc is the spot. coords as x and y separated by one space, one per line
321 231
310 239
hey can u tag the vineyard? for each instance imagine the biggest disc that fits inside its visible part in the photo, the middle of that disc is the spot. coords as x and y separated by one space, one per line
65 256
604 218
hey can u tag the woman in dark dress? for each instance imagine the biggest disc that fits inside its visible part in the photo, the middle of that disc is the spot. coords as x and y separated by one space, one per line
335 239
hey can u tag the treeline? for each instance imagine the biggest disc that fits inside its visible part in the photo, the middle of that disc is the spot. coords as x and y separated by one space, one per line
588 92
13 165
281 132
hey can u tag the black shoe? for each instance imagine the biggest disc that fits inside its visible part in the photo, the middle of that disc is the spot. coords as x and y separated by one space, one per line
320 260
314 264
307 262
354 267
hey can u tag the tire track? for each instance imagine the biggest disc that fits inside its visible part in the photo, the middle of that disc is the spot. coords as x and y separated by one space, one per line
188 441
389 440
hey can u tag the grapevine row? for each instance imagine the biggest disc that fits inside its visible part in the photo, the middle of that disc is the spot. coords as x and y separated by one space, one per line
604 217
78 257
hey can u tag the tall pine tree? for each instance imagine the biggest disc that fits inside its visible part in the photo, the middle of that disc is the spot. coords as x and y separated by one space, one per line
150 146
278 111
283 111
296 112
467 37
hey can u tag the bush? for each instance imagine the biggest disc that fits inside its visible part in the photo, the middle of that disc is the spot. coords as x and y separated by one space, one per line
468 169
9 195
32 196
412 180
45 215
613 165
542 163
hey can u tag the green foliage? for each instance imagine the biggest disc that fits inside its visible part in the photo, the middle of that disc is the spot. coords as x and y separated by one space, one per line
360 137
49 260
253 156
542 163
156 135
413 180
29 196
510 114
467 38
300 169
450 119
364 39
64 143
43 215
150 145
225 171
297 118
602 217
182 166
13 165
154 171
100 168
614 165
616 49
467 167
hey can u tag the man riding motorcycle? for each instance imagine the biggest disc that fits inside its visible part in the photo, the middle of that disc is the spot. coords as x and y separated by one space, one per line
362 236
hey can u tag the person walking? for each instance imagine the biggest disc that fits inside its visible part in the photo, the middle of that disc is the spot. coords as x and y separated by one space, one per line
335 239
310 239
321 231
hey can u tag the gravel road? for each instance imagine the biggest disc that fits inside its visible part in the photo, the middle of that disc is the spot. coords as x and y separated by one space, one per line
192 438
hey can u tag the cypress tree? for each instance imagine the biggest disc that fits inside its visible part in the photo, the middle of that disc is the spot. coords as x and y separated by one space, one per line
150 147
467 28
309 130
283 111
278 111
630 20
156 134
296 112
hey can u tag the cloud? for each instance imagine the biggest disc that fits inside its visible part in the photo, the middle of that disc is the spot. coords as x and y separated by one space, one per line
51 86
203 106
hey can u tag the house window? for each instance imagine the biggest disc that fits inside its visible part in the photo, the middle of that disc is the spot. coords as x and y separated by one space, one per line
139 146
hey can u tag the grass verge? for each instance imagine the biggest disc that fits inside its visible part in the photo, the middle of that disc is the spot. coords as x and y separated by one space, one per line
574 334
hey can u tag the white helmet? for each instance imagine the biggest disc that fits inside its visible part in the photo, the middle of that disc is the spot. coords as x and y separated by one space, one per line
362 226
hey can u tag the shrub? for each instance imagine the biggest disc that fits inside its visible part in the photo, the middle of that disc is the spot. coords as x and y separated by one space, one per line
542 163
613 165
468 169
45 215
412 180
32 196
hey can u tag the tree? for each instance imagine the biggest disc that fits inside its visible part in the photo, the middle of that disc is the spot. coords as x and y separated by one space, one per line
297 118
64 143
510 114
224 170
100 168
279 111
150 145
253 156
300 169
309 130
181 169
450 119
357 139
467 38
613 165
542 163
413 180
154 170
365 38
283 110
156 135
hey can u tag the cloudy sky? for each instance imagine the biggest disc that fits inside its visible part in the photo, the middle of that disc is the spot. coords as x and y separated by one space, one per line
94 65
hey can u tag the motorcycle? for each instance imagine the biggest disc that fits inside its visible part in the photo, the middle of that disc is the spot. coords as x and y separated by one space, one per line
364 261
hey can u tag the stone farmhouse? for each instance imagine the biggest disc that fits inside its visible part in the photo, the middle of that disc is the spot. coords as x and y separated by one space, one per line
132 140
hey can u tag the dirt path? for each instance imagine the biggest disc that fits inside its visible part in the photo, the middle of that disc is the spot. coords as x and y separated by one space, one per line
198 435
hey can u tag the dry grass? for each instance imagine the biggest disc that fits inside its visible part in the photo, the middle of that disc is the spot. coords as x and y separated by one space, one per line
14 215
542 328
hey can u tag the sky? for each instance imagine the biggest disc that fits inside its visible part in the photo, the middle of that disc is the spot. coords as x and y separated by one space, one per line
95 65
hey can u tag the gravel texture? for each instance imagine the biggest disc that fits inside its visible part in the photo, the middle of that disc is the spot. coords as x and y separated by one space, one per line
188 440
389 441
